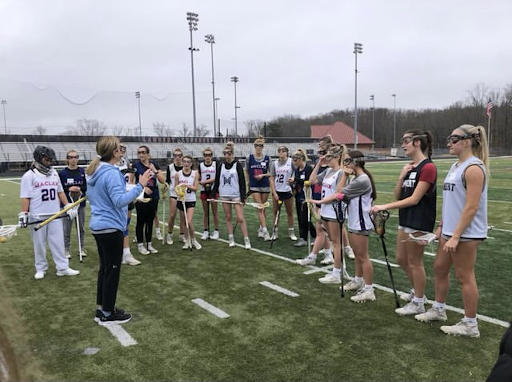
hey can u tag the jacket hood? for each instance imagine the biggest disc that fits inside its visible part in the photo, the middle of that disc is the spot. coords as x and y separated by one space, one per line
102 169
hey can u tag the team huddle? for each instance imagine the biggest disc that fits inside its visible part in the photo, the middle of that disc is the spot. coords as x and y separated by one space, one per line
334 200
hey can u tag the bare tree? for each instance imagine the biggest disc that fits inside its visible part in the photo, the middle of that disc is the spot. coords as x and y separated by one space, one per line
477 97
162 130
87 127
184 131
39 130
202 131
117 130
254 127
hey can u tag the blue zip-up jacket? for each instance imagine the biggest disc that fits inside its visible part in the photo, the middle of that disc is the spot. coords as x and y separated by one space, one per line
108 198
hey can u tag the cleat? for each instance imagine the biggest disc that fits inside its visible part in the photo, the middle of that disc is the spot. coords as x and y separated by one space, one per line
353 285
68 272
328 259
330 279
215 235
169 239
142 250
433 314
151 249
291 234
196 244
158 234
364 295
186 246
411 308
182 238
261 233
349 252
231 241
130 260
266 236
306 261
204 236
462 328
247 243
301 243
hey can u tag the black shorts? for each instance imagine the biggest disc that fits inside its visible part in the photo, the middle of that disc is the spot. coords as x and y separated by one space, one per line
187 205
131 206
284 195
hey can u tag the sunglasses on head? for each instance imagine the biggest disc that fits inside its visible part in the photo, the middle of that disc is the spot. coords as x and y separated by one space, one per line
207 155
72 156
258 145
227 152
454 138
141 152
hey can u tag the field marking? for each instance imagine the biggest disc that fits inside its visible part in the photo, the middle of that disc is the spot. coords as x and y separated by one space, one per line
121 335
279 289
507 222
210 308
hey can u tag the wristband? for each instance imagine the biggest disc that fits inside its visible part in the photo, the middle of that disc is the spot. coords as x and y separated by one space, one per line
339 196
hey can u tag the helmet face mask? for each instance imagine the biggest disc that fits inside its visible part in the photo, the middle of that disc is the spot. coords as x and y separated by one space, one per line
44 157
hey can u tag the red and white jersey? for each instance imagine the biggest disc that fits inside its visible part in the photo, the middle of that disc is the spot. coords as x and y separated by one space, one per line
207 172
190 196
43 192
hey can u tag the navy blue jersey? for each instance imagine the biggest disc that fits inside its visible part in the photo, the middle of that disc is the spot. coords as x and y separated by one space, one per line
70 178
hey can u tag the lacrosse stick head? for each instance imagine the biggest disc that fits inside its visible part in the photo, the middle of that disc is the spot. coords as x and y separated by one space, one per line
181 189
423 239
6 232
379 222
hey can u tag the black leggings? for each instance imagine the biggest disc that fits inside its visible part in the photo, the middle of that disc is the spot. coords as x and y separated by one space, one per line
110 251
145 218
302 217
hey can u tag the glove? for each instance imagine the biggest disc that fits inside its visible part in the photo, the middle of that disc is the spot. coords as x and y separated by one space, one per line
72 212
23 219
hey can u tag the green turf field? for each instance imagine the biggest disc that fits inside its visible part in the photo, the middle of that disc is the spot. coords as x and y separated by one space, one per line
268 336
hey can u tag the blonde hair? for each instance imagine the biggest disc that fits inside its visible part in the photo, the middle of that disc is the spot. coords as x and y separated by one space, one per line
208 149
230 146
337 150
260 140
479 145
105 148
300 153
325 142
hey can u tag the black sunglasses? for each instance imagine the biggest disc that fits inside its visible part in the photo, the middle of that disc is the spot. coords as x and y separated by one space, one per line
141 152
454 138
207 155
348 160
72 156
258 145
227 152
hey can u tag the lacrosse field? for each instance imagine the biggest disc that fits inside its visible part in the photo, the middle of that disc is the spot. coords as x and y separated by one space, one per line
230 314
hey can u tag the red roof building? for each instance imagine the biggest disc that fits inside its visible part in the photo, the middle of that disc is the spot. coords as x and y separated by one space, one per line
342 133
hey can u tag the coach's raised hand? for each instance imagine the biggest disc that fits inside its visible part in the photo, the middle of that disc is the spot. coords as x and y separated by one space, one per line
143 179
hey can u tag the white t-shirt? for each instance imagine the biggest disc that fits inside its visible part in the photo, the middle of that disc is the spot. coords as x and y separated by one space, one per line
43 192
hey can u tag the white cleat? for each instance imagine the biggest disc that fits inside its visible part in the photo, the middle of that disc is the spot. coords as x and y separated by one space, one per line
68 272
364 295
205 235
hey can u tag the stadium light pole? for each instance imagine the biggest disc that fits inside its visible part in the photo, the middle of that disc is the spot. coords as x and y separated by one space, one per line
193 18
235 79
394 118
216 100
210 39
358 49
4 102
137 96
372 98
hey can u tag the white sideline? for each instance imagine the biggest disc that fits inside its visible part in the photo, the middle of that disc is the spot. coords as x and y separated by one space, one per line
279 289
210 308
121 335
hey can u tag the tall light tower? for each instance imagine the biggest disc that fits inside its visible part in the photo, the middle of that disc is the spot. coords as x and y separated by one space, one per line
4 102
358 49
394 118
235 79
216 100
210 39
193 18
137 96
372 98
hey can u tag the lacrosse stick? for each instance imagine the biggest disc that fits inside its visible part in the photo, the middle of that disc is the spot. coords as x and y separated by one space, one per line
307 194
423 239
208 192
165 192
379 222
259 206
276 222
337 205
60 213
78 196
181 190
9 230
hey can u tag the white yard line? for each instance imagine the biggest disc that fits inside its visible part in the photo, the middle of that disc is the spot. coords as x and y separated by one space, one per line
121 335
210 308
279 289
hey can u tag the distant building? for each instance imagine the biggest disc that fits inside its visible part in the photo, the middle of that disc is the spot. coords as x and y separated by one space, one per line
342 133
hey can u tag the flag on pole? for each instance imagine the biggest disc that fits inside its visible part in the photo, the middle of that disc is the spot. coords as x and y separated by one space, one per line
489 107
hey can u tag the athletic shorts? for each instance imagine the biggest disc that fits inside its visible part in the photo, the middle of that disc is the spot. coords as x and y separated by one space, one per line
284 195
357 232
206 195
187 205
408 230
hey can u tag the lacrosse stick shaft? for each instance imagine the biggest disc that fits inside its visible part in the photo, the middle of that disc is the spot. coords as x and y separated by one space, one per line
308 196
276 222
188 238
389 270
60 213
77 229
163 221
208 217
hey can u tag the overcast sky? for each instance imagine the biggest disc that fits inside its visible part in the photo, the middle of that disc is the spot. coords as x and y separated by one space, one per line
291 57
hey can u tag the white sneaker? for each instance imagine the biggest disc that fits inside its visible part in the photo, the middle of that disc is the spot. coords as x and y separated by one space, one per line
39 275
169 239
182 238
151 249
301 243
261 233
142 249
68 255
364 295
68 272
349 252
322 251
328 259
291 234
462 328
186 246
411 308
158 234
408 296
196 244
274 236
433 314
205 235
306 261
266 236
130 260
247 243
353 285
215 235
84 254
231 241
330 279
